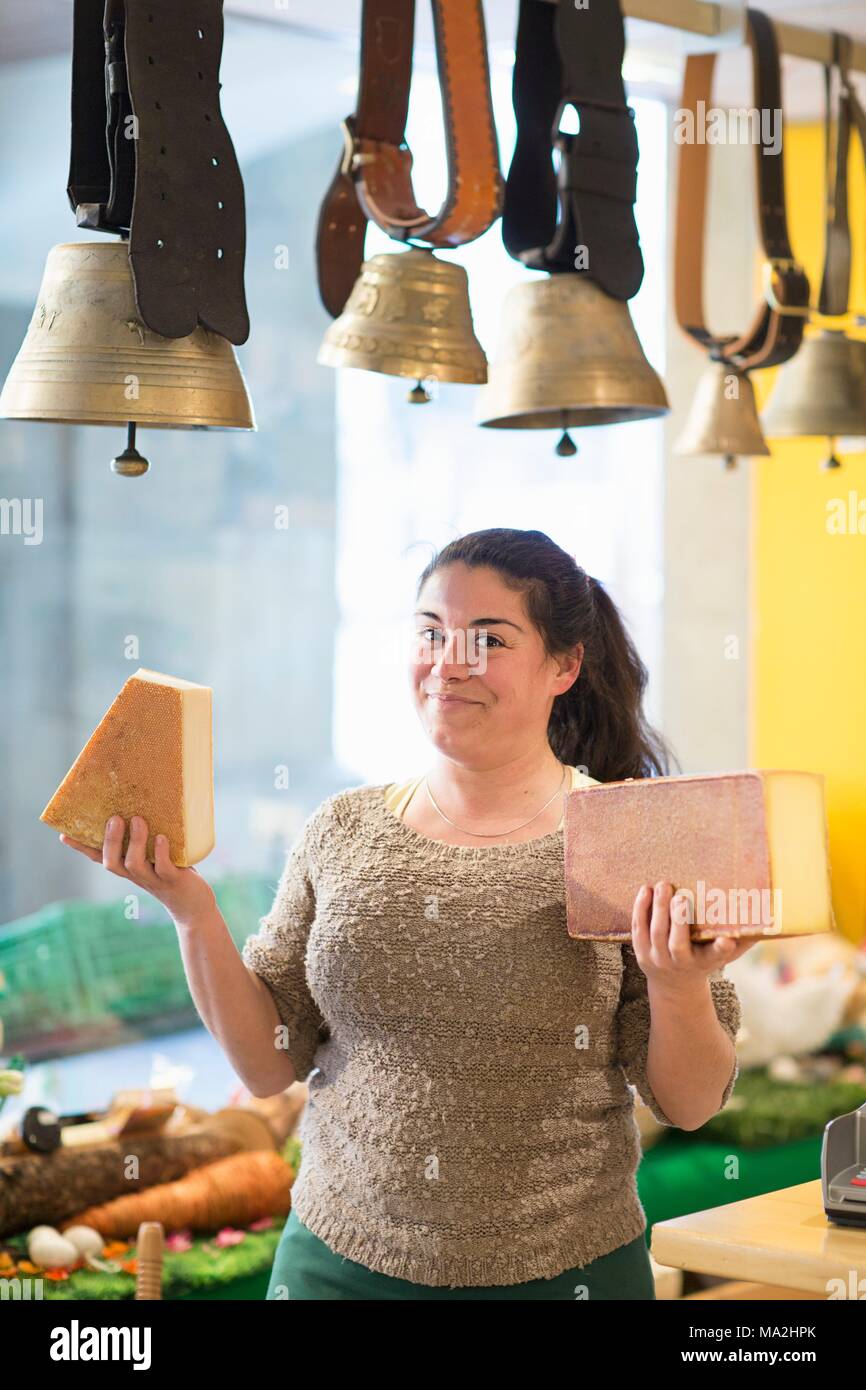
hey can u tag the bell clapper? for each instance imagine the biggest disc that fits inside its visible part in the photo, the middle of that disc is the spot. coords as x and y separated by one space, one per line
729 461
130 464
566 448
832 460
419 395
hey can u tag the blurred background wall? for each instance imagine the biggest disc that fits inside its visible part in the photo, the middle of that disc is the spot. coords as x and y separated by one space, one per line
807 703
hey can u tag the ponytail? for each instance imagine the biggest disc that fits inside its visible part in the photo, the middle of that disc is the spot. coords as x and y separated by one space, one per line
599 722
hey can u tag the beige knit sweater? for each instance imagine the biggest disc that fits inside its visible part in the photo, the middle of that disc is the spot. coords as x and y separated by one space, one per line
469 1119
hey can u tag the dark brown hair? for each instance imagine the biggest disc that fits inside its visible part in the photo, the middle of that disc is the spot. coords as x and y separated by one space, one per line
598 723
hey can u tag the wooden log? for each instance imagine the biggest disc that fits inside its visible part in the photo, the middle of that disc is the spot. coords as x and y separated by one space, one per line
44 1189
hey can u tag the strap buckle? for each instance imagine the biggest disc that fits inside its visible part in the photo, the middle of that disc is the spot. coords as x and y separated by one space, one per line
600 158
353 157
581 103
782 268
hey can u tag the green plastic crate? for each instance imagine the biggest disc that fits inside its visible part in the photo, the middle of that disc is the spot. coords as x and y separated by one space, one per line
88 968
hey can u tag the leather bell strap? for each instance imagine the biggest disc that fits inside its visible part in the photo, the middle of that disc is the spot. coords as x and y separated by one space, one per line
856 110
151 155
835 283
836 277
100 186
777 328
373 181
571 56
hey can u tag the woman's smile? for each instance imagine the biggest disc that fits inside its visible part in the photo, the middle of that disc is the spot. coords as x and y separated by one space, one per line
452 701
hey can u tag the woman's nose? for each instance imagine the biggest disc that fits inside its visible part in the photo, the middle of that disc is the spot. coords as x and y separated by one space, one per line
454 654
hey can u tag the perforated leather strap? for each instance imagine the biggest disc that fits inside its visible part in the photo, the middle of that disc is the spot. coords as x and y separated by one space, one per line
151 154
567 55
373 181
777 328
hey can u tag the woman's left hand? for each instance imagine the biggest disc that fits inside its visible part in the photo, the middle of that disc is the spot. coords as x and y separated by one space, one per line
661 936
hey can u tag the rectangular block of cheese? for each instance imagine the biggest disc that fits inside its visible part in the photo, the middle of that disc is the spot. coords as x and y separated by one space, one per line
750 848
152 756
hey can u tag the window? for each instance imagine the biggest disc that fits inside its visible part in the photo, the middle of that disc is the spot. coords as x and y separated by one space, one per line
411 477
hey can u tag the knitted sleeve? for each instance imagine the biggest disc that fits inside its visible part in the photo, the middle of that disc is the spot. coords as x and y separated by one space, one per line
277 953
633 1028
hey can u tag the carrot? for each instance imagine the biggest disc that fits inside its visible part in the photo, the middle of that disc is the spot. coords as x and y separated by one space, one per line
233 1191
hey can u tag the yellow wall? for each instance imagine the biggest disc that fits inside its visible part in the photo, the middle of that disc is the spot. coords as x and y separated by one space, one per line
808 608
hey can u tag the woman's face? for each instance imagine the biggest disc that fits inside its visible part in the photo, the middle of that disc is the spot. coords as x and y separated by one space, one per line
481 679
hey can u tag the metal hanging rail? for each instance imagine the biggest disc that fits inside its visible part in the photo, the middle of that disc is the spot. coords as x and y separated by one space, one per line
701 17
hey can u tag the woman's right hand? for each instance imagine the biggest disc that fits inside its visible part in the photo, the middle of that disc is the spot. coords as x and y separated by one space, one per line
183 892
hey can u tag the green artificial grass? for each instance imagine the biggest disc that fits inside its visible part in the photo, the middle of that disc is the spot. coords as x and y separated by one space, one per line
200 1272
763 1111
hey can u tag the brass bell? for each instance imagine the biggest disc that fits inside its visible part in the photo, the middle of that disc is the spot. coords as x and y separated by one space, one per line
568 356
821 391
408 315
723 418
87 358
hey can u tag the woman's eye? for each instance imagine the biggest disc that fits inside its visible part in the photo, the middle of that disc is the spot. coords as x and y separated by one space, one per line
474 637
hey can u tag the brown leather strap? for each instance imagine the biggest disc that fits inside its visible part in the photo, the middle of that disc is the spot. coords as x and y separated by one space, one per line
777 328
374 179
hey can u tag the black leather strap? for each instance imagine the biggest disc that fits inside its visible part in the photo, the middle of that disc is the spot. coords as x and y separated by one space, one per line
120 130
89 168
151 157
188 235
836 277
564 56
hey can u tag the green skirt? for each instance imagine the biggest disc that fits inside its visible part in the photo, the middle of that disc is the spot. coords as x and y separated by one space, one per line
306 1268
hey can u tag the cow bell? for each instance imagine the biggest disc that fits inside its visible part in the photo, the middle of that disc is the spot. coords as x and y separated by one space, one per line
723 418
88 358
820 392
408 315
568 356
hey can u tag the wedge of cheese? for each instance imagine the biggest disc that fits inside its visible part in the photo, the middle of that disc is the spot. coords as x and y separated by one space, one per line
151 756
748 848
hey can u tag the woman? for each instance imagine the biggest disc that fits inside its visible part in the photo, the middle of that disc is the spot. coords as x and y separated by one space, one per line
469 1132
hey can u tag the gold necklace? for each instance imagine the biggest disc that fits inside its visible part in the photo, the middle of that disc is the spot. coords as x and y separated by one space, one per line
485 835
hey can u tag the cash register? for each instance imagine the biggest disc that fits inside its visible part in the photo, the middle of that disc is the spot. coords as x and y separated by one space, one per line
843 1169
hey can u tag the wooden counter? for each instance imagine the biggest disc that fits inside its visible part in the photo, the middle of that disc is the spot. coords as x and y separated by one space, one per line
780 1238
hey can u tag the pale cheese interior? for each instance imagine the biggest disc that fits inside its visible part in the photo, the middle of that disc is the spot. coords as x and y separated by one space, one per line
198 798
796 830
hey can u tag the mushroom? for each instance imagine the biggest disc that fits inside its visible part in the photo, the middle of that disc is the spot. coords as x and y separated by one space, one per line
86 1240
49 1249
